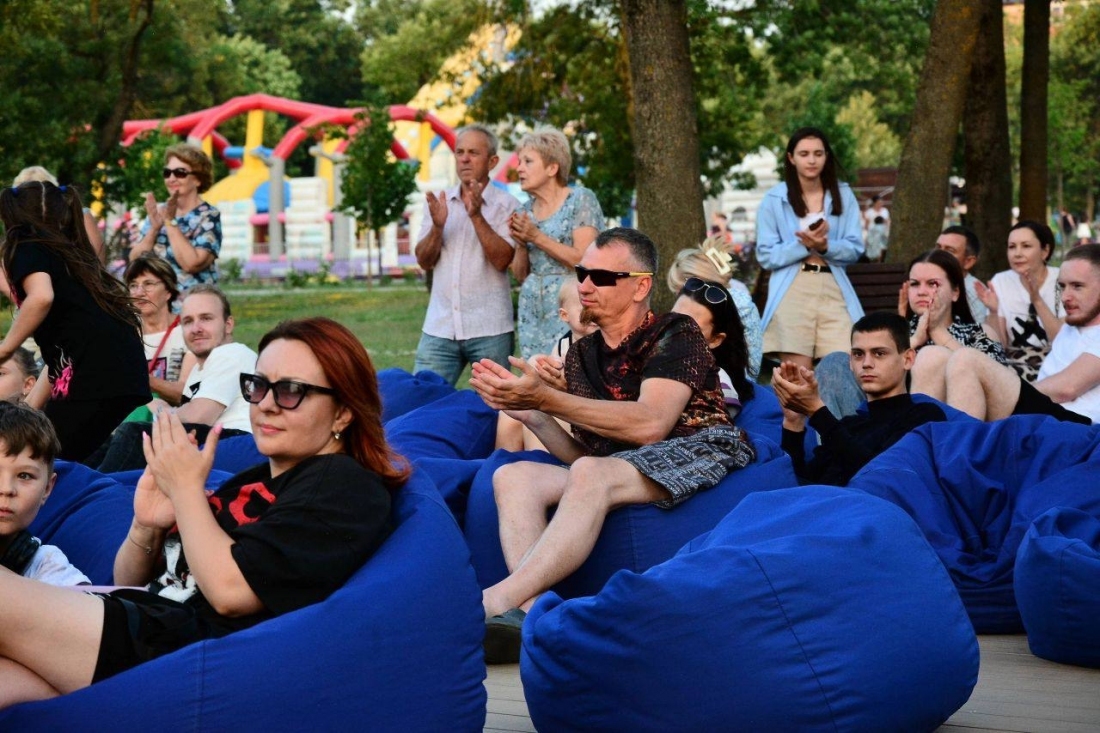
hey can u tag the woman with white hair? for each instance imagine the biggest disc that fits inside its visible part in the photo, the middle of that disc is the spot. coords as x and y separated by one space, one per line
554 227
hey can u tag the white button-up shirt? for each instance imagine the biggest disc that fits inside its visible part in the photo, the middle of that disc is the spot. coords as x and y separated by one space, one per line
470 298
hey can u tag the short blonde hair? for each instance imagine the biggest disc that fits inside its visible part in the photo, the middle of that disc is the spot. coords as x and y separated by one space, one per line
553 147
34 173
694 262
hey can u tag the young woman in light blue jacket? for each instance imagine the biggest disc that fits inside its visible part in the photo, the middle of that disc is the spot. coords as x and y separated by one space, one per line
807 231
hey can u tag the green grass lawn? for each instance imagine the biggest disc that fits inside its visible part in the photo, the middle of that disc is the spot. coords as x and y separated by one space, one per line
387 319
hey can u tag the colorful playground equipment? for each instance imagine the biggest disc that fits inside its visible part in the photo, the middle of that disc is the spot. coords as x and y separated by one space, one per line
272 223
297 213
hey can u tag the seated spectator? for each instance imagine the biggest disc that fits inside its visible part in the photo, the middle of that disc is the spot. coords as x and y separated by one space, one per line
711 307
940 321
18 375
963 244
511 435
153 286
1022 301
645 405
28 446
211 394
712 262
880 358
1068 384
878 234
317 510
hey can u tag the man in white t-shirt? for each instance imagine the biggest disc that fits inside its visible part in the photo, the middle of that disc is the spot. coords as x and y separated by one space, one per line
1068 386
212 391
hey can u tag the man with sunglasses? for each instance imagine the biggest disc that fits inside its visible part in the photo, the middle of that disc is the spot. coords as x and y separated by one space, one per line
212 392
649 425
186 230
466 242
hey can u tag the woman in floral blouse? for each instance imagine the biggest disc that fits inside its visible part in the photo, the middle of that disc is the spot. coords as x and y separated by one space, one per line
186 230
551 231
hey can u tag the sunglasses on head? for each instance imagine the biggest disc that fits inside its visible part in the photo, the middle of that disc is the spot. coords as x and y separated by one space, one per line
604 278
288 394
712 293
176 172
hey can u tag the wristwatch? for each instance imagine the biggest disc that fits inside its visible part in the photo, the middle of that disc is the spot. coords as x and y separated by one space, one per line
173 222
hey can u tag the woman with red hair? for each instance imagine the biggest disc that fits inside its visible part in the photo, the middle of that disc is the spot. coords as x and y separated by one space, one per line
272 539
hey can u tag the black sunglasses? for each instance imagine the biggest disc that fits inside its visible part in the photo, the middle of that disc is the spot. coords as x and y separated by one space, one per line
177 172
712 293
288 393
604 278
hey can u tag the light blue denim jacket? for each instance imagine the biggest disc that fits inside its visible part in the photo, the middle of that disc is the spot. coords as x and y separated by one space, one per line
778 249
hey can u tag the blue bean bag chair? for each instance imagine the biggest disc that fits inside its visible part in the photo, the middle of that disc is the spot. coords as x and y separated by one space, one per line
1058 586
87 515
237 453
459 425
814 608
762 415
397 648
972 488
403 392
634 537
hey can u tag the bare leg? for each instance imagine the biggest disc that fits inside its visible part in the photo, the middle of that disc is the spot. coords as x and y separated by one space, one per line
19 684
524 493
52 632
981 387
930 372
595 487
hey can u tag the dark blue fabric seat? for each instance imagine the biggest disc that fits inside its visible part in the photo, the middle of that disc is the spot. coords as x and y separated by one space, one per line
397 648
1058 585
813 608
634 537
974 488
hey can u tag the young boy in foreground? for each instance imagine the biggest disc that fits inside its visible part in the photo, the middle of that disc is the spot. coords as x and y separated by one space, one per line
28 446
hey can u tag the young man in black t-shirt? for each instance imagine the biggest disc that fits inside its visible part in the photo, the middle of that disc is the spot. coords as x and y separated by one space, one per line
880 359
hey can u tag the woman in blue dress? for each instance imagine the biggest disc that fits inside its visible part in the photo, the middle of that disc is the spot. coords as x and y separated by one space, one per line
554 227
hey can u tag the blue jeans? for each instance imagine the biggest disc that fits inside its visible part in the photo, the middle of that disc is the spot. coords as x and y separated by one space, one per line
837 386
448 357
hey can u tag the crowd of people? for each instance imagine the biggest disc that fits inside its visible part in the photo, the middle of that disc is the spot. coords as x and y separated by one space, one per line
638 407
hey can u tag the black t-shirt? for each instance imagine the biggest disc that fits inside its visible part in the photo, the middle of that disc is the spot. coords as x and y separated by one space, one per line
670 346
297 537
90 353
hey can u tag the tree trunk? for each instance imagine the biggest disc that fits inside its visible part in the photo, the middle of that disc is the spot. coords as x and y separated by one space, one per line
917 213
110 131
988 157
666 134
1033 110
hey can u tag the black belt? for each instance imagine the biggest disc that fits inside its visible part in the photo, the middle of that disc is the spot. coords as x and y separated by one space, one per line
808 267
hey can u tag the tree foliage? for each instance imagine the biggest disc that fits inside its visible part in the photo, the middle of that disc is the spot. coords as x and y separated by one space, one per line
376 186
849 46
407 42
1075 107
570 69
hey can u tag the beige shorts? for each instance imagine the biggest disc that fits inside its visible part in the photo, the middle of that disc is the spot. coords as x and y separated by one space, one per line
812 319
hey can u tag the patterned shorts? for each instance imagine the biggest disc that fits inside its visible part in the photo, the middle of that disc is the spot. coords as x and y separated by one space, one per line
692 463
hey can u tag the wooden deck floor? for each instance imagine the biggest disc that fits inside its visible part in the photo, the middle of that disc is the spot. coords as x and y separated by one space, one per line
1016 692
